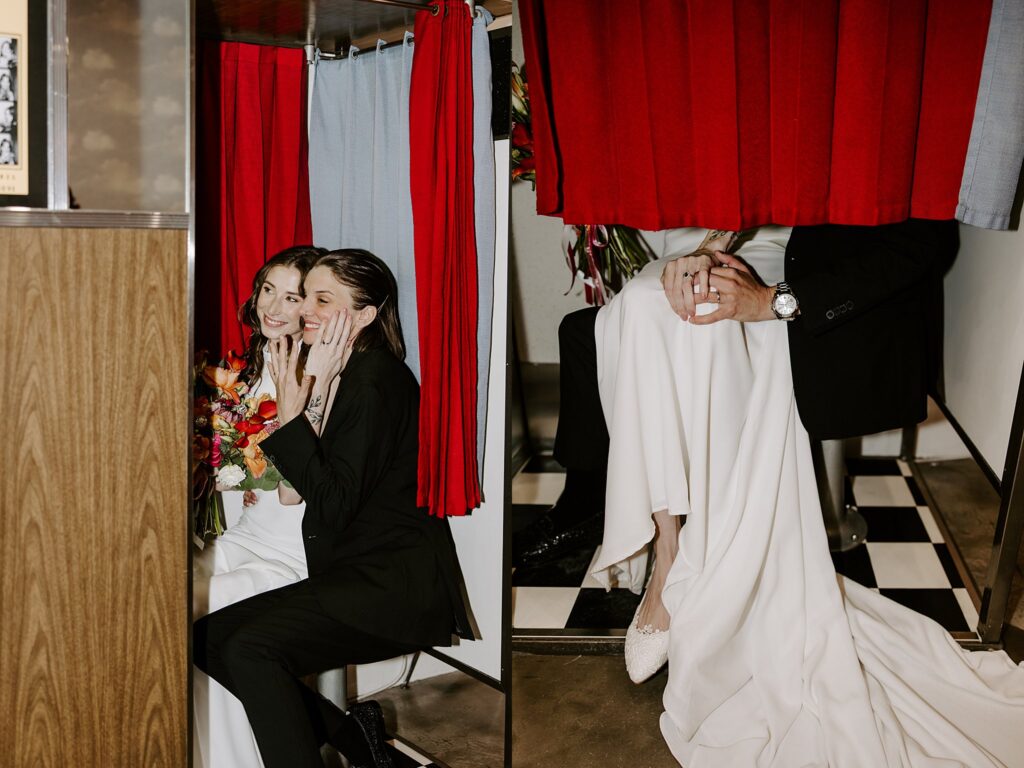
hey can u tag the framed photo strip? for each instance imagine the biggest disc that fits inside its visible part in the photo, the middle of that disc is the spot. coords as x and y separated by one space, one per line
23 103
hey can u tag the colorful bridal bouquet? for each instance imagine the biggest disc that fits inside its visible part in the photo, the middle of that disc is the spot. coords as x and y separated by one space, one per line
604 257
229 423
523 165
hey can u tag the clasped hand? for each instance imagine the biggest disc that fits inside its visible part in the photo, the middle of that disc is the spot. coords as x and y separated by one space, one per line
682 277
328 355
724 280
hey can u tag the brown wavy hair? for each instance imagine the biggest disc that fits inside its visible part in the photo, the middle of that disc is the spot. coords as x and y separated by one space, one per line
372 284
300 257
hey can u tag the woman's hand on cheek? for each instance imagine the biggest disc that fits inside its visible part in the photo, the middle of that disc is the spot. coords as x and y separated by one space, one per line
291 394
330 349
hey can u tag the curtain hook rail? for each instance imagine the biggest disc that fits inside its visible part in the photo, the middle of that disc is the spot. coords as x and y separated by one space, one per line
434 8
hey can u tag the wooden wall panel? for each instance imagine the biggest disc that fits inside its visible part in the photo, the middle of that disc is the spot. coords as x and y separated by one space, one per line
94 392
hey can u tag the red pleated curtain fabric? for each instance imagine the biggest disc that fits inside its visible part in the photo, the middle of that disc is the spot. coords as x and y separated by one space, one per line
441 169
252 188
669 113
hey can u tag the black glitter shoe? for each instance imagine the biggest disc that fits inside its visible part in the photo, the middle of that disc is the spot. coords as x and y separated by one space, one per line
370 719
548 539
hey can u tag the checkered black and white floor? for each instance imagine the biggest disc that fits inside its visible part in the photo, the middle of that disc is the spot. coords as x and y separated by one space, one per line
905 558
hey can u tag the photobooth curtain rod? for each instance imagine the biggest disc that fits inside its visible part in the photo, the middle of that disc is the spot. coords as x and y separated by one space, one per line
380 46
434 8
333 55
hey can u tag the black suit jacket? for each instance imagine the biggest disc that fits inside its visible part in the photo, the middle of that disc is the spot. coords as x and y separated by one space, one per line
866 347
377 562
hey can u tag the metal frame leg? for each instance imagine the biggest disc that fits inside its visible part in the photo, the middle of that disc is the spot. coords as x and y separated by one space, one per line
995 595
412 668
845 526
333 686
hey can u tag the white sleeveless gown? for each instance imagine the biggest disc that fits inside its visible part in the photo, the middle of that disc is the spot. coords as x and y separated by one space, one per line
774 661
260 550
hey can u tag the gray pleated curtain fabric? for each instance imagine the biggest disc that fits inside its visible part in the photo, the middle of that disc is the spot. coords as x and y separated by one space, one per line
359 166
359 177
996 149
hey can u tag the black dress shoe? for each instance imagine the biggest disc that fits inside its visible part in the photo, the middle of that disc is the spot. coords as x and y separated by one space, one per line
547 538
370 719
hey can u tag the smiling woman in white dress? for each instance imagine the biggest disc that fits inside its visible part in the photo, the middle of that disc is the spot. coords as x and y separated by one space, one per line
262 547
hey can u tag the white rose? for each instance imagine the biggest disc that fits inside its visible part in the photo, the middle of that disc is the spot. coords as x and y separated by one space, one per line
229 476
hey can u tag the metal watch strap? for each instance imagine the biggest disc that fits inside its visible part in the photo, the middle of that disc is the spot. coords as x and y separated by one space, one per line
783 287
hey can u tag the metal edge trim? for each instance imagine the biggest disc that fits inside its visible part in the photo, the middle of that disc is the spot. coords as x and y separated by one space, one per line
973 449
190 314
58 195
582 634
1009 531
970 583
434 761
39 217
466 669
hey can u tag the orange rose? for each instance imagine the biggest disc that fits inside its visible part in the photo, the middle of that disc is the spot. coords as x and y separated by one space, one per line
253 455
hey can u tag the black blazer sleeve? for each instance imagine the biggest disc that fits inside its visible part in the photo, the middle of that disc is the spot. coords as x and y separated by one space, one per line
839 273
865 349
334 476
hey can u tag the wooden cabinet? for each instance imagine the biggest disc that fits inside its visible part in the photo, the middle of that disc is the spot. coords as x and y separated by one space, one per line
94 495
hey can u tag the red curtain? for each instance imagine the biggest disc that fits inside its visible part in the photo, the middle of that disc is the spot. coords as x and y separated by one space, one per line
668 113
441 169
252 187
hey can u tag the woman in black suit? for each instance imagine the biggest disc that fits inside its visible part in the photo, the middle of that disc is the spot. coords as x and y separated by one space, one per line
383 576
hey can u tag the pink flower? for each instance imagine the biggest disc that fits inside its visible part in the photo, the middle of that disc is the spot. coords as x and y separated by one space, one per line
215 455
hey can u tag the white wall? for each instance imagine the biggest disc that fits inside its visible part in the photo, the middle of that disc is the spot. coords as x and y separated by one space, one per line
984 341
540 278
936 440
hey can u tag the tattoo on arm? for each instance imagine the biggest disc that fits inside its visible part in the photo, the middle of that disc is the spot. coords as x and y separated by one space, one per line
315 410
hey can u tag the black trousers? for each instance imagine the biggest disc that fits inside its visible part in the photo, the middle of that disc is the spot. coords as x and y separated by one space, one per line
581 440
259 649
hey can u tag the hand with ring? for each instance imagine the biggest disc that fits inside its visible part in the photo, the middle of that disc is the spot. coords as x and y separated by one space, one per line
292 394
684 276
739 294
330 349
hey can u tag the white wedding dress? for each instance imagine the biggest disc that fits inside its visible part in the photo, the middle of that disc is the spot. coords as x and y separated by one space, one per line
774 661
260 550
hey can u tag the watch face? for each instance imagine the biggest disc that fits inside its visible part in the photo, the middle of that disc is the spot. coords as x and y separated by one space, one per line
785 304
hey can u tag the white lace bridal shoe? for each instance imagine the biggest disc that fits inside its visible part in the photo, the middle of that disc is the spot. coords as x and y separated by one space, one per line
646 649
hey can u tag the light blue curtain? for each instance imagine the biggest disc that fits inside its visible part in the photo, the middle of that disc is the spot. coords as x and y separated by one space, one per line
359 177
359 166
483 189
996 148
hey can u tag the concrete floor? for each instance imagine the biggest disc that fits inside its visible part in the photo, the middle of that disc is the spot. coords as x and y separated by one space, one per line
583 711
453 718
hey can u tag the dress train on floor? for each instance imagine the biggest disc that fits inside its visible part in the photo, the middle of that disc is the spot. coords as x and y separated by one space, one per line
774 660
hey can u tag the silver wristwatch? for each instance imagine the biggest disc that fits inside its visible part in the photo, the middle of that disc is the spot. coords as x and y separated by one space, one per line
784 303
